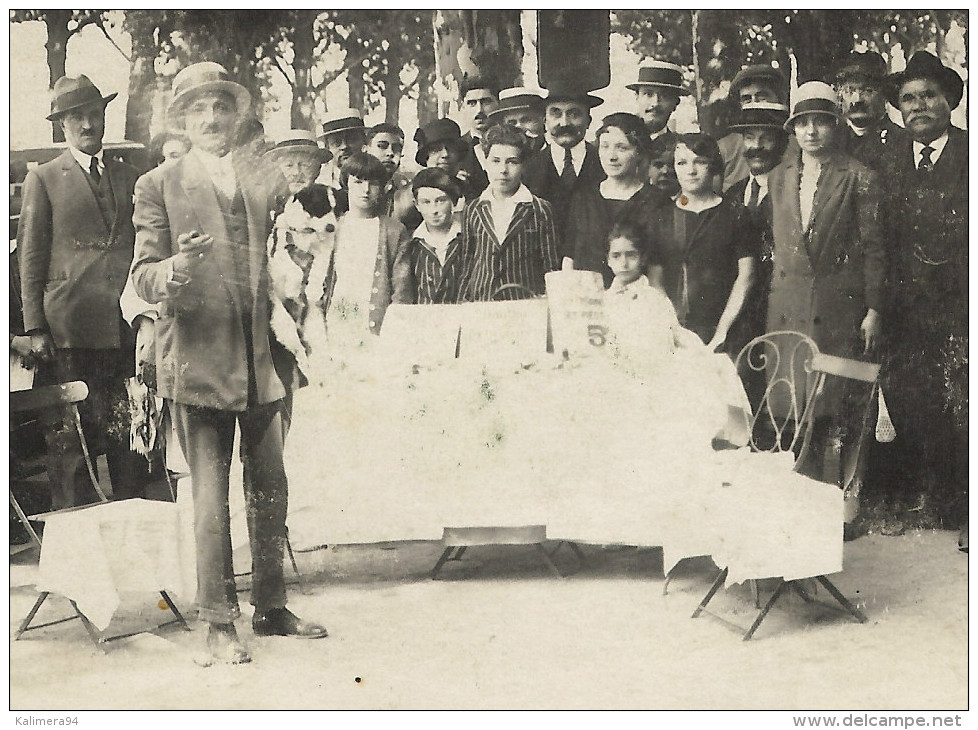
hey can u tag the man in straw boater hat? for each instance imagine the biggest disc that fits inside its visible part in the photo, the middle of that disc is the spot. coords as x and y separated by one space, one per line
522 108
201 226
829 260
76 243
870 132
926 214
567 163
343 135
657 93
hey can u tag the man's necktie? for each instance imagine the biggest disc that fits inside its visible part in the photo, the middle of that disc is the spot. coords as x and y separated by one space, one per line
755 194
93 171
926 163
567 175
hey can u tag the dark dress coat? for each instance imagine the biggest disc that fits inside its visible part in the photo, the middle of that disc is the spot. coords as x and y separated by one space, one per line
591 218
878 144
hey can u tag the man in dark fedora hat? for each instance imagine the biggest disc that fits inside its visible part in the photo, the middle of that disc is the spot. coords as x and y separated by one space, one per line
870 132
567 163
753 84
657 93
201 228
926 214
76 243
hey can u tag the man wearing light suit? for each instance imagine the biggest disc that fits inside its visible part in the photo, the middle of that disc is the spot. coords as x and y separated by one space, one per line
201 226
76 242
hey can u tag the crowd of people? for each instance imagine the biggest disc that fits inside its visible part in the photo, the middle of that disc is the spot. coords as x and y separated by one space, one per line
820 216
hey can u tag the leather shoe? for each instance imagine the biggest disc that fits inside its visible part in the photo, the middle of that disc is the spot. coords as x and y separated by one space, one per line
223 647
282 622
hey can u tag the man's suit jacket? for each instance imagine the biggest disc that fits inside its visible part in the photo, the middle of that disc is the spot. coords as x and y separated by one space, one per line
73 262
826 276
201 351
874 147
476 179
926 217
543 180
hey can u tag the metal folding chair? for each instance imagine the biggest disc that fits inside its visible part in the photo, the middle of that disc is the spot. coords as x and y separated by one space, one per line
796 374
61 396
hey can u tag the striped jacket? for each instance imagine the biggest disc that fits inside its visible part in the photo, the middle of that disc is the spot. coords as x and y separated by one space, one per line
526 253
431 282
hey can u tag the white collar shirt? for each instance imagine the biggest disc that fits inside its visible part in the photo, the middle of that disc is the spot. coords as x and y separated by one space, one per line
85 160
502 209
761 184
436 242
578 152
219 169
937 145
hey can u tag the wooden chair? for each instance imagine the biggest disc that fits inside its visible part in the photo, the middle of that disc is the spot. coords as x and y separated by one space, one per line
796 374
60 396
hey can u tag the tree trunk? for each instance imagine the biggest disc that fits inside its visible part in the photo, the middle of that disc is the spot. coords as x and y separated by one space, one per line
392 91
427 101
139 107
303 46
56 22
358 89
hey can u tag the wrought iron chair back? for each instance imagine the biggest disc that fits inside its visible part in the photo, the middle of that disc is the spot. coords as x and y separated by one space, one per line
782 420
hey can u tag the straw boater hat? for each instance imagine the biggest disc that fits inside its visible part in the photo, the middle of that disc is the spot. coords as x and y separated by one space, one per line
763 114
438 132
923 65
765 74
341 120
72 93
567 86
298 140
661 74
814 97
518 97
198 78
869 65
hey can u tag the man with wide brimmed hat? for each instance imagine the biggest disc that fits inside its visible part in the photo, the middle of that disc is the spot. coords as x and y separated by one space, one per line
829 260
657 93
927 217
870 131
76 243
342 134
522 108
201 227
567 163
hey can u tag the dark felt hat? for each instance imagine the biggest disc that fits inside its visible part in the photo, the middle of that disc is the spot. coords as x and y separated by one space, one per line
923 65
868 64
765 74
764 114
437 132
661 74
567 86
74 92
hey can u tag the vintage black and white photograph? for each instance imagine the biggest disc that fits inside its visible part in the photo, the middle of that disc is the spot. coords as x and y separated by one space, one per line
489 359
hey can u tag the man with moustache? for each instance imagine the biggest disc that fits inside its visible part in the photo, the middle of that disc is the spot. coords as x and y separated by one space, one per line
657 92
343 135
568 163
478 96
925 368
869 134
201 226
751 85
522 108
76 243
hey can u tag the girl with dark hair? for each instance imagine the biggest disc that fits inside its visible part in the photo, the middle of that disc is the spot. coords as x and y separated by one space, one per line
624 149
708 247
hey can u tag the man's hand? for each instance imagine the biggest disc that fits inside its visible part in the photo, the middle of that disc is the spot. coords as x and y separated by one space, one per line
21 344
193 249
42 346
870 330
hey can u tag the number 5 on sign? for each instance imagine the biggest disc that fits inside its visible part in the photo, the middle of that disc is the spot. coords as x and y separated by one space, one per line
597 335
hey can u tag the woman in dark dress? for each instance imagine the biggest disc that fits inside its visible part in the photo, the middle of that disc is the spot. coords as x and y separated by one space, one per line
707 247
624 149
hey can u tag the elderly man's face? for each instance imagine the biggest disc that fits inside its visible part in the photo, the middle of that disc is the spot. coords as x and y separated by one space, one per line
861 100
210 120
84 128
755 91
300 169
926 113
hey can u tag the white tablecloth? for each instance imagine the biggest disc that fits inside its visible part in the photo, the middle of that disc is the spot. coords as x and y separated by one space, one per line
96 555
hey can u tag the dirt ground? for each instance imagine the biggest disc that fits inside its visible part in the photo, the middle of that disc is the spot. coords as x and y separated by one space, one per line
498 630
